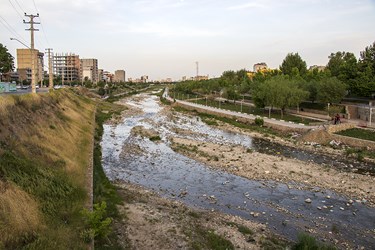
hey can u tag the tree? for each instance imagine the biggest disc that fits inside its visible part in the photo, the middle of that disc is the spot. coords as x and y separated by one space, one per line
365 84
293 64
331 90
280 92
344 66
6 61
367 58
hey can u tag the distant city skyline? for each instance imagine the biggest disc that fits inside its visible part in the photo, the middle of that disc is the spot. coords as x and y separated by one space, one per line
165 38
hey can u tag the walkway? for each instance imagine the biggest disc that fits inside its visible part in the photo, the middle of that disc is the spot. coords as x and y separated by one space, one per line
251 117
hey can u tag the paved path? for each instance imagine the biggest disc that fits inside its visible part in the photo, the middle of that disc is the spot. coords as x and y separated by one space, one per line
242 115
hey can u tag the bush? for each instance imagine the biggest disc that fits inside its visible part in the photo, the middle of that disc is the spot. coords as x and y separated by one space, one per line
98 226
259 121
306 241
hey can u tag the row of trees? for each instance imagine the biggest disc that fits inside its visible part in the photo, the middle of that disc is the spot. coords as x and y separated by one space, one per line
292 83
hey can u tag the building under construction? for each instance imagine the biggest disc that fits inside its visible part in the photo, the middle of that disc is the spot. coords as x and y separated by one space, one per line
67 66
24 64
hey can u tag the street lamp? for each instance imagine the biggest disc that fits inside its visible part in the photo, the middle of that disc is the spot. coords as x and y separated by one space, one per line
33 88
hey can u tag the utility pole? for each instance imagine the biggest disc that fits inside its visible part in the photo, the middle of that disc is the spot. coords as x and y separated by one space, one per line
33 68
50 75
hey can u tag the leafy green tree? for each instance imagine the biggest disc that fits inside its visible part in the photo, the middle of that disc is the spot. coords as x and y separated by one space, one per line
331 90
344 66
229 75
365 82
293 65
280 92
367 58
312 88
6 61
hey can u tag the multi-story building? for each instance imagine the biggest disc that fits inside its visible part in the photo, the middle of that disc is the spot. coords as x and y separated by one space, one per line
67 66
144 79
89 70
319 68
260 66
24 64
108 76
119 76
100 75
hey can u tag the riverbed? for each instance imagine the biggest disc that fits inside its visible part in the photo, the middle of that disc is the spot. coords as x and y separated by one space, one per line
286 207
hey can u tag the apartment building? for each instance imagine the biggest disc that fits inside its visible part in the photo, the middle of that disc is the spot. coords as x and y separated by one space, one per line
89 70
260 67
67 66
119 76
25 63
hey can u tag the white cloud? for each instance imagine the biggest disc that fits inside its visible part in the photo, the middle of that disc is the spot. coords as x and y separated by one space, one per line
168 30
250 5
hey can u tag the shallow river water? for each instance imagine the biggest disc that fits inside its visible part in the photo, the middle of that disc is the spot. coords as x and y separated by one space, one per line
282 207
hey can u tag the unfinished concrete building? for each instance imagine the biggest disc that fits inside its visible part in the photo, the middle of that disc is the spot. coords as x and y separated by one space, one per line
67 66
89 70
24 64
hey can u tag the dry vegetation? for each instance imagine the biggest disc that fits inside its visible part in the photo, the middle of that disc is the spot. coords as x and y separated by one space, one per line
45 146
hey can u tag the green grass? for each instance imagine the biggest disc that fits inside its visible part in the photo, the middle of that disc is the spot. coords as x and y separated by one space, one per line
155 138
307 242
207 239
242 229
104 190
60 199
364 134
252 110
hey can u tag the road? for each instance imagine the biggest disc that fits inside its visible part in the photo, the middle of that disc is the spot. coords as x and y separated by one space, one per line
25 91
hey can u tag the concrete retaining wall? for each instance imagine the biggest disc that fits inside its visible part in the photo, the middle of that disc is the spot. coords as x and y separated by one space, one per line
354 142
339 127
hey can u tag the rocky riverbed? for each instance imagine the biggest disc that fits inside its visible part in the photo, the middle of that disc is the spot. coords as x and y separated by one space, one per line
222 169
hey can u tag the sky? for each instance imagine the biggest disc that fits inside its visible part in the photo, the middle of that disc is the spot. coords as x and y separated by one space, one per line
165 38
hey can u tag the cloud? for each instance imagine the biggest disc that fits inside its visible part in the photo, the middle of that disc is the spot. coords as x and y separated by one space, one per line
250 5
167 30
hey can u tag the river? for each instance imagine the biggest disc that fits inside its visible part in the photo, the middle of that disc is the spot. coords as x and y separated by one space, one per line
282 207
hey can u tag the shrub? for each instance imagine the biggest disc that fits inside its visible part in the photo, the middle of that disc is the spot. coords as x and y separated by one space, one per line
259 121
98 226
306 241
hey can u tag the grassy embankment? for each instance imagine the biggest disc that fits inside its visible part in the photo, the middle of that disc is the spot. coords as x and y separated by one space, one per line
45 147
104 190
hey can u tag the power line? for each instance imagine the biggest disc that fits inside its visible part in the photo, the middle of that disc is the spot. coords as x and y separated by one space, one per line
11 30
15 9
41 24
20 6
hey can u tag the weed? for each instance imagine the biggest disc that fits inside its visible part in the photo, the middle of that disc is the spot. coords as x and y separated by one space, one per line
155 138
242 229
273 243
207 239
306 241
97 224
194 214
259 121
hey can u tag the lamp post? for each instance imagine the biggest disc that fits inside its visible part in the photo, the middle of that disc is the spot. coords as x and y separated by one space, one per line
33 87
